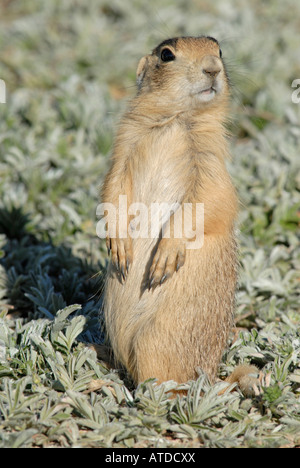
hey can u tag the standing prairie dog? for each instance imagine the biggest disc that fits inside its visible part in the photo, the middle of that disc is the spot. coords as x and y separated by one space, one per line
169 305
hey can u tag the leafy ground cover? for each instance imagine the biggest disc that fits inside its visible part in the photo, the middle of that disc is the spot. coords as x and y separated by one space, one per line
69 67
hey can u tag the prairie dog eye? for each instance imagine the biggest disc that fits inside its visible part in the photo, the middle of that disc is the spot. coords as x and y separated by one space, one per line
220 53
167 55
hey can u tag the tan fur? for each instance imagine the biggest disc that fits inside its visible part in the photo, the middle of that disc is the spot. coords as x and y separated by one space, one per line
169 309
248 378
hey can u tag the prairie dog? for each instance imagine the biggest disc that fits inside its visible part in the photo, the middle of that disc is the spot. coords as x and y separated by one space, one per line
169 305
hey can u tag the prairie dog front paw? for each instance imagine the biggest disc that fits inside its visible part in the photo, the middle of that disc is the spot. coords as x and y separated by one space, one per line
169 257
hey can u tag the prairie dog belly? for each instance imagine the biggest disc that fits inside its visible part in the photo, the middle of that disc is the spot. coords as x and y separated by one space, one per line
160 172
130 304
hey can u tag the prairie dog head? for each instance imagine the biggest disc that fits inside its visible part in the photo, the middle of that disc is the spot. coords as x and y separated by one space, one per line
184 72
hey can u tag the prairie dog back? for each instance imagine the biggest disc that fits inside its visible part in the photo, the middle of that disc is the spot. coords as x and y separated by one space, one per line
170 287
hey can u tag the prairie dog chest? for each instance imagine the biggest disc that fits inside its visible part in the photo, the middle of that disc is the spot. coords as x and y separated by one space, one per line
161 166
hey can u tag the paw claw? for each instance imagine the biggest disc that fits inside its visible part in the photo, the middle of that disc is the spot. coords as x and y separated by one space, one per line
163 279
121 254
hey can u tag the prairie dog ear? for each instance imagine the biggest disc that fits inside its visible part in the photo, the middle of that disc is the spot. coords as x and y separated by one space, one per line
141 70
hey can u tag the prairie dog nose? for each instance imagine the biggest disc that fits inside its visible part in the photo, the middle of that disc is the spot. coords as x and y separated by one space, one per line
211 65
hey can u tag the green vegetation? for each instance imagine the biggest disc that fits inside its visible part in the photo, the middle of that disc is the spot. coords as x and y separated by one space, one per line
69 68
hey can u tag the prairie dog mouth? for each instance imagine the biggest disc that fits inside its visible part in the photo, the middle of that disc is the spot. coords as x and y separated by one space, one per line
208 90
201 91
205 95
